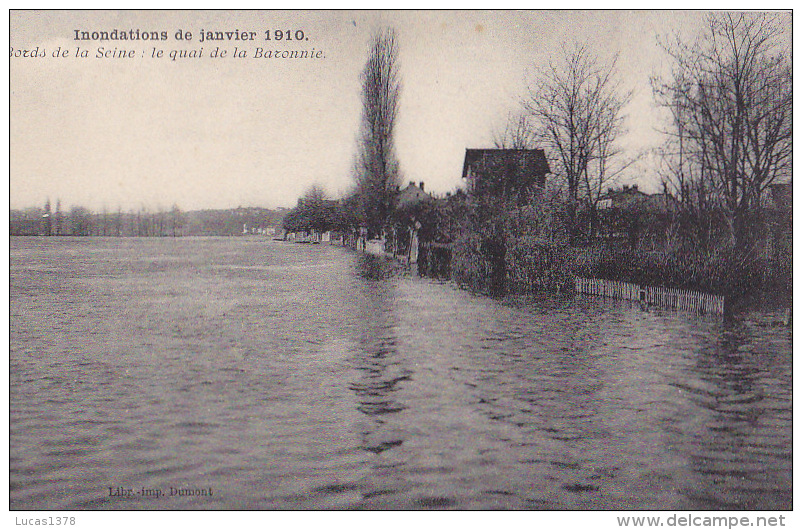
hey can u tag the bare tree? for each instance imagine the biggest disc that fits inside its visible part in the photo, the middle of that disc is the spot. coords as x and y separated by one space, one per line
47 220
577 109
730 100
104 221
683 182
377 168
58 218
517 133
160 222
176 220
80 221
140 222
118 222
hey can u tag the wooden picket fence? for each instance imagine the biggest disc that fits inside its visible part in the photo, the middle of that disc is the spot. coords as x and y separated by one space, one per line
659 296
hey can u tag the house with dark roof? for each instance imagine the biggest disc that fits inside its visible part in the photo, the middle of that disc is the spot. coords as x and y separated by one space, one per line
631 198
626 197
412 195
505 173
412 207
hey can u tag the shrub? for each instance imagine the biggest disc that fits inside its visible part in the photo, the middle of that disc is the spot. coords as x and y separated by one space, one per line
713 272
534 266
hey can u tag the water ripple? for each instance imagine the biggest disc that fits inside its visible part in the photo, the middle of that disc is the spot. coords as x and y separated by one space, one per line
306 376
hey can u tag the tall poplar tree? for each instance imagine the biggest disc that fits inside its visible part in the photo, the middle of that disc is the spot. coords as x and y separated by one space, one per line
377 169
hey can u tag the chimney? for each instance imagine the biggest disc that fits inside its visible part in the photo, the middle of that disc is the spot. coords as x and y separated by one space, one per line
635 187
421 185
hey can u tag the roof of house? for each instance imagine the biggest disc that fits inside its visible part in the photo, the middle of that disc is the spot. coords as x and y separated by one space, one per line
631 197
625 195
521 161
410 195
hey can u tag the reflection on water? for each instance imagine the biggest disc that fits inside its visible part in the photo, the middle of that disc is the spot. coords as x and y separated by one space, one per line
746 438
379 366
301 376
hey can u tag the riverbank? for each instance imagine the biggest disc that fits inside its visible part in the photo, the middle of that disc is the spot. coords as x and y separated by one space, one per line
528 265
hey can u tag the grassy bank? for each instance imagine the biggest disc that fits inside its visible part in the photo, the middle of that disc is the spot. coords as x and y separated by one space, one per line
525 264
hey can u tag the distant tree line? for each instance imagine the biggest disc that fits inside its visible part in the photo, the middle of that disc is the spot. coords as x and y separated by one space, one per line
142 222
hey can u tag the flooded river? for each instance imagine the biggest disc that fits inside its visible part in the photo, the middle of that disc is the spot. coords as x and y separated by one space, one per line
232 373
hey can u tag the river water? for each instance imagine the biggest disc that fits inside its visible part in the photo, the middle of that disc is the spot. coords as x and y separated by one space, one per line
268 375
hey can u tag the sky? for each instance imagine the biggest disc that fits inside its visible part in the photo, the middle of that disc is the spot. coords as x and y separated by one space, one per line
209 132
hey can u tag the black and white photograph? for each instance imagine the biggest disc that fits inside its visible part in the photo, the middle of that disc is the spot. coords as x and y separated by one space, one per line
525 261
